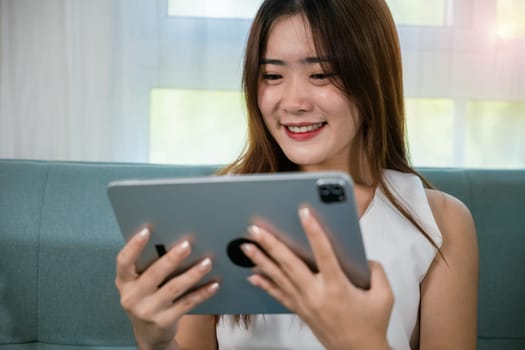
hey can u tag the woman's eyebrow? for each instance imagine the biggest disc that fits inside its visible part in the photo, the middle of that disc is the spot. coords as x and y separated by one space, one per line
306 60
272 61
314 60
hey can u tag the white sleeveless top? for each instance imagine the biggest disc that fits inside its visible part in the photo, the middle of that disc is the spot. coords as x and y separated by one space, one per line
389 238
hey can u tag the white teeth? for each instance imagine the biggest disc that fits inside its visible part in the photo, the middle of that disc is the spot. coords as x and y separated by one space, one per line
303 129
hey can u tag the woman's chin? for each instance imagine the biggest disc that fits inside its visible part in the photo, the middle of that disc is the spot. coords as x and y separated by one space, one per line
306 163
311 163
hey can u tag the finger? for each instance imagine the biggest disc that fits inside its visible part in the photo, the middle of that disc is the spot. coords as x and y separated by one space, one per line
269 268
179 285
273 290
379 282
157 273
321 247
188 302
293 267
127 257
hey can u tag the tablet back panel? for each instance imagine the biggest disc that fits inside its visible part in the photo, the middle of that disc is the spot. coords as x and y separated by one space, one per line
214 211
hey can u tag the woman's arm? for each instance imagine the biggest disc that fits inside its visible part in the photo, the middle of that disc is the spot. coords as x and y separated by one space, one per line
152 310
449 292
360 322
197 332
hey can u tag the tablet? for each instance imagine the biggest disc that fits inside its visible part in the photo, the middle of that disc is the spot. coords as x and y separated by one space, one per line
214 212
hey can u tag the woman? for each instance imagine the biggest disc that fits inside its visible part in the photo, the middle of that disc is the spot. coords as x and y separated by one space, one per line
323 87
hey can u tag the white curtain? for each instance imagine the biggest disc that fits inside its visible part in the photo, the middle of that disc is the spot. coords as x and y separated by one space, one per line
64 88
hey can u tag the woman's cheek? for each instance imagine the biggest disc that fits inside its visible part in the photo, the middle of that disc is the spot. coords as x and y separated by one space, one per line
268 99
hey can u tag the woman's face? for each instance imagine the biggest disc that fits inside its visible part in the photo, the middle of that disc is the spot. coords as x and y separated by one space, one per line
313 122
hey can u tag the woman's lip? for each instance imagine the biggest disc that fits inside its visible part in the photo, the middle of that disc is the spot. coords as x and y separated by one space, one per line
303 136
301 124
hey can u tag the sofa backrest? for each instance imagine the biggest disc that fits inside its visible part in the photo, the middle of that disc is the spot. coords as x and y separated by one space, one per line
59 240
496 199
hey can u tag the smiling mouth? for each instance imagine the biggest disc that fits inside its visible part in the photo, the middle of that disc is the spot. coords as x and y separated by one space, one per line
304 128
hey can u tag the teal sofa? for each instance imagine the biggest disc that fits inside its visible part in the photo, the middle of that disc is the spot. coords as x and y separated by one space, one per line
59 240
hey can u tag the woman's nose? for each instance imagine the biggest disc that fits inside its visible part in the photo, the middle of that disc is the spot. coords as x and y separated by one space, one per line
296 96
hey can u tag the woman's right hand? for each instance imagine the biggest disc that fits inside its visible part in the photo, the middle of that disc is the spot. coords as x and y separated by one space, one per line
152 310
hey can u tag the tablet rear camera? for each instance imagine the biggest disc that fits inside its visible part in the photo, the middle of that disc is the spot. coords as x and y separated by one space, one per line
236 254
331 193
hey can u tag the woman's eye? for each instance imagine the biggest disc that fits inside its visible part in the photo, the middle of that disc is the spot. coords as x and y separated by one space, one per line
268 76
322 76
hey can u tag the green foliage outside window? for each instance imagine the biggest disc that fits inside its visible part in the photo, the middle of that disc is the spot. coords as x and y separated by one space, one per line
196 126
495 134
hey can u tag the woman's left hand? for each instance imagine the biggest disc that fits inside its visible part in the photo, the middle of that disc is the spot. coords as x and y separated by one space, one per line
341 315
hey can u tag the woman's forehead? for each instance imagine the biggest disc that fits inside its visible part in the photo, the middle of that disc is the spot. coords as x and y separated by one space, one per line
290 38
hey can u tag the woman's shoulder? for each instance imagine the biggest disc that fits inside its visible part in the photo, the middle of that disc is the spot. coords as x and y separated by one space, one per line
452 217
445 207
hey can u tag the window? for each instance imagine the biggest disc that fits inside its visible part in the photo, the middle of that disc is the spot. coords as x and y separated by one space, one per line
410 12
488 135
510 19
423 13
495 133
214 8
465 91
430 124
196 126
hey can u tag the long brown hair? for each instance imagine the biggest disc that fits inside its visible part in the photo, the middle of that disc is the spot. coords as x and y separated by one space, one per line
360 39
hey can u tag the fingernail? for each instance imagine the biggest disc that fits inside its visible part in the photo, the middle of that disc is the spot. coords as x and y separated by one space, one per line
205 264
143 233
247 248
213 287
252 280
185 245
255 231
304 213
